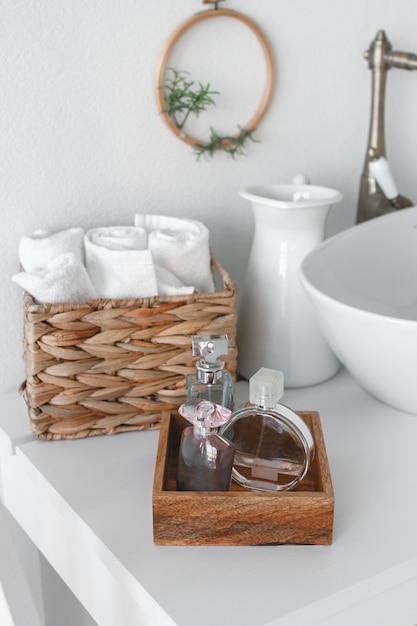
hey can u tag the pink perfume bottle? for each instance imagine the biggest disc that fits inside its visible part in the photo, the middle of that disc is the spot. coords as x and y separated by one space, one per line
205 457
274 446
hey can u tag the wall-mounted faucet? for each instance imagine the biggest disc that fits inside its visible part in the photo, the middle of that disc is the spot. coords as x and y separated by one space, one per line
372 199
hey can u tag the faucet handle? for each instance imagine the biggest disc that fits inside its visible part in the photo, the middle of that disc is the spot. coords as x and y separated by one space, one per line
381 171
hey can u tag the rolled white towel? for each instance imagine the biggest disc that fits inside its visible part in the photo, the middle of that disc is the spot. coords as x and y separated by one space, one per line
120 271
170 285
64 279
39 249
181 246
119 237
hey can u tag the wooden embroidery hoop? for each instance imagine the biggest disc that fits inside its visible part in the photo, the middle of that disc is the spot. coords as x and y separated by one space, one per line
174 38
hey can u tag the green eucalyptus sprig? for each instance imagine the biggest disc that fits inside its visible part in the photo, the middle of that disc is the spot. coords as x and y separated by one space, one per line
232 145
184 98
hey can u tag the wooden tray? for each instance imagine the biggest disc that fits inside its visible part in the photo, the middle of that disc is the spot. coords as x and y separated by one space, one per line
240 516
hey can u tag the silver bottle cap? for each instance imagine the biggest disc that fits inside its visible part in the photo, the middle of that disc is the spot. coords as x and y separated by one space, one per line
209 348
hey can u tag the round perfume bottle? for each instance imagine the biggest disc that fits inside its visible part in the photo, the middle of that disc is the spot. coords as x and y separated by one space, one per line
274 446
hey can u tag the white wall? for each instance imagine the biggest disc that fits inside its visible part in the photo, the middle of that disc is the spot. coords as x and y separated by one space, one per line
81 142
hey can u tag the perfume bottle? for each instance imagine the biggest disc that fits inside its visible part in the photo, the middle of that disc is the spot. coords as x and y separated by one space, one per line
211 381
205 457
274 446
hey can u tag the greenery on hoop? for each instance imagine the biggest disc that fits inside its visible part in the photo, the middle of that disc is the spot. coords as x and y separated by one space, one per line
184 98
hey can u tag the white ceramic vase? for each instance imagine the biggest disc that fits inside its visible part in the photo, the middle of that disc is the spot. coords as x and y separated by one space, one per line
276 325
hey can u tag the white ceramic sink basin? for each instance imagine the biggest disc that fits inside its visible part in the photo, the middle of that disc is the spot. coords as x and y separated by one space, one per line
362 284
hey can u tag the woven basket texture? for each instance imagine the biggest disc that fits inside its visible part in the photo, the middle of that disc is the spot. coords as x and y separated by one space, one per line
109 366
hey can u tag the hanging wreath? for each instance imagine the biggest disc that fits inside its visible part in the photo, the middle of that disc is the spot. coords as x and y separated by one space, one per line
179 96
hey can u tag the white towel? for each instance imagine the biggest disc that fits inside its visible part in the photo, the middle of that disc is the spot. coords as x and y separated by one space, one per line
64 279
170 285
39 249
119 237
120 271
181 246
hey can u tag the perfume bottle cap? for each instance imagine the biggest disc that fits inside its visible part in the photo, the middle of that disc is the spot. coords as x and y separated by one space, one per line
266 387
209 347
205 413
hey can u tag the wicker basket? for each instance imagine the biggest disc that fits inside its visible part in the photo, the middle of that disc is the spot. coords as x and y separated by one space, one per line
108 366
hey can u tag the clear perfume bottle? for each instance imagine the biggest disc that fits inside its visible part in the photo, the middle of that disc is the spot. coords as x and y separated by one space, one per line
274 446
211 381
205 457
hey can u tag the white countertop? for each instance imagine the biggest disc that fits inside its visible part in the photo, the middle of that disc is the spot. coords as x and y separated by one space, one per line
87 506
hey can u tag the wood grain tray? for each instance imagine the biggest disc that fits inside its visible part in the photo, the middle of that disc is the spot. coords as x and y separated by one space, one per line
240 516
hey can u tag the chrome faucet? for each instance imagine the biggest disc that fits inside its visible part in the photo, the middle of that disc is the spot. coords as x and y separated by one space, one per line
372 199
